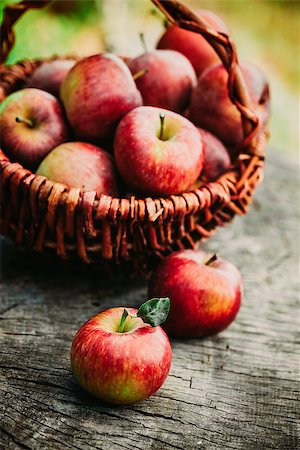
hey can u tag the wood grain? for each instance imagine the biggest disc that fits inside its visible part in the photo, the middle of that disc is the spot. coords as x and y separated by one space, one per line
238 390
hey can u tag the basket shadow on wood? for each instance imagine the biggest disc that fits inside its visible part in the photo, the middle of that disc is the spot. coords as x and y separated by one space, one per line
46 215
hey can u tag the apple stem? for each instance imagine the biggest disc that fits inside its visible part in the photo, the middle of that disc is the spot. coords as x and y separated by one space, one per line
162 124
27 122
143 41
122 321
211 260
139 74
154 312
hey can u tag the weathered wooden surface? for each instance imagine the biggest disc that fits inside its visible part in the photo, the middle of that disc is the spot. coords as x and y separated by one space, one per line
237 390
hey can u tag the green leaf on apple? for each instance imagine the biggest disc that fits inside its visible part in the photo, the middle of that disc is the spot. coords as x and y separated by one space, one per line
155 311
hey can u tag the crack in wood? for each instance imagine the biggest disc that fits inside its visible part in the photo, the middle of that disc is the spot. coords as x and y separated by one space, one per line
9 308
15 441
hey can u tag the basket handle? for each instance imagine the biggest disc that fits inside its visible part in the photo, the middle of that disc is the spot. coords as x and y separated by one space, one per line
11 14
182 16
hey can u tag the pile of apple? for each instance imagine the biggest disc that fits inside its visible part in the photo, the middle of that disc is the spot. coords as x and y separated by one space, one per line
152 126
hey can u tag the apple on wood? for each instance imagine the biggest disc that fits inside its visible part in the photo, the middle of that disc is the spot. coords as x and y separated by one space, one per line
158 152
168 81
49 75
212 109
205 292
80 165
193 45
97 92
32 124
216 156
123 356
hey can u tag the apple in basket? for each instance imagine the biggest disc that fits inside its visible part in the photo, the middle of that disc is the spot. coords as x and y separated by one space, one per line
212 109
158 152
123 356
216 156
193 45
168 81
97 92
205 292
80 165
31 124
49 75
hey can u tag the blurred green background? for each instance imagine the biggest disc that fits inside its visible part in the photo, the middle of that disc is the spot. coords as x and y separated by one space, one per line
266 32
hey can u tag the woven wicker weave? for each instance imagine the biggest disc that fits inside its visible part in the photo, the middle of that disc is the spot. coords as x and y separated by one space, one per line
43 214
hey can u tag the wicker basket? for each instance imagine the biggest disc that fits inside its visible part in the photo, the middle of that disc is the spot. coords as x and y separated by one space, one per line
46 215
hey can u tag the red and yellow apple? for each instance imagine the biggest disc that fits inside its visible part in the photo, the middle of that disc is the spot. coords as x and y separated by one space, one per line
80 165
168 81
212 109
216 156
49 75
97 92
119 358
193 45
32 124
158 152
205 292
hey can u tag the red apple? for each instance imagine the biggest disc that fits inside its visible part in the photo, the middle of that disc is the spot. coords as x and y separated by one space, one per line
216 157
212 109
168 81
158 152
205 292
193 45
97 92
119 358
49 75
32 124
80 165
